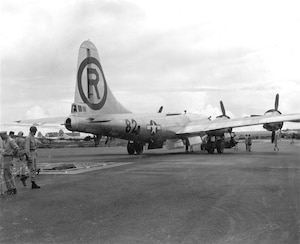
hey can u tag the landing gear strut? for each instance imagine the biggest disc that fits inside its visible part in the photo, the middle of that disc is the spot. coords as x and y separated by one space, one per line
134 147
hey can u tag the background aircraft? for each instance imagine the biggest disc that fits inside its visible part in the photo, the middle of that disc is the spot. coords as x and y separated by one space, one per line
52 132
95 110
61 135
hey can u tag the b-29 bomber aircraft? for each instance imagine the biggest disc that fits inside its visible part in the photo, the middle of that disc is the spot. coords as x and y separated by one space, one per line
96 110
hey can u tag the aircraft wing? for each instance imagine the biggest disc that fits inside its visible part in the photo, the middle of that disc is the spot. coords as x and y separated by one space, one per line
43 121
200 126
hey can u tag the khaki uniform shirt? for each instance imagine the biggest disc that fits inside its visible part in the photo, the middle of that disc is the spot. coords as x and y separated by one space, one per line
30 144
20 142
10 147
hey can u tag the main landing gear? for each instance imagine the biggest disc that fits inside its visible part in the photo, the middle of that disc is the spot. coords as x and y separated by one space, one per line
217 142
134 147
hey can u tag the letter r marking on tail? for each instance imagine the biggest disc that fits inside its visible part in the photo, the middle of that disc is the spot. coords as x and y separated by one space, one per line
93 82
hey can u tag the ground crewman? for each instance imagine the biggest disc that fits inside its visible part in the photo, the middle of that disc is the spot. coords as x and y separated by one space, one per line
21 159
1 166
31 151
246 142
10 148
249 143
276 148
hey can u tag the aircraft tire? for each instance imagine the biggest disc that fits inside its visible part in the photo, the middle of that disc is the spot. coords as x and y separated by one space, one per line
220 147
130 148
138 147
210 147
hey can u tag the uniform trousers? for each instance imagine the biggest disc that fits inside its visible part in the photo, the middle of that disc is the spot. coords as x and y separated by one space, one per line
8 172
31 163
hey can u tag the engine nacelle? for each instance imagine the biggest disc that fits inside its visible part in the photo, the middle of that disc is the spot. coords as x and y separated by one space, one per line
273 126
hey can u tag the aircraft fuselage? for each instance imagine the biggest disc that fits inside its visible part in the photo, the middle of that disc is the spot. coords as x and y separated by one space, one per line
135 127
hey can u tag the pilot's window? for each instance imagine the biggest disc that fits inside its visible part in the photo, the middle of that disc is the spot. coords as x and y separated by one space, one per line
84 109
79 108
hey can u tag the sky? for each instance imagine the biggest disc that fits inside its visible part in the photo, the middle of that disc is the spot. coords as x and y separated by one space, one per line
183 55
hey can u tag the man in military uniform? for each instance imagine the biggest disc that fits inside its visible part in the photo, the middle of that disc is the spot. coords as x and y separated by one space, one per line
31 152
10 148
1 166
21 159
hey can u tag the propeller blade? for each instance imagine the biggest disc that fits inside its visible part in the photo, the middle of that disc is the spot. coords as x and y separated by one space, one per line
160 109
222 108
276 101
273 136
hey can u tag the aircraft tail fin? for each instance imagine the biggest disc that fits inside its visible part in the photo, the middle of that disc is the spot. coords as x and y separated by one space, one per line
92 93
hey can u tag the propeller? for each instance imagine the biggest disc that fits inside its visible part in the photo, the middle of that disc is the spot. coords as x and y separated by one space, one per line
223 111
274 126
276 102
275 109
160 109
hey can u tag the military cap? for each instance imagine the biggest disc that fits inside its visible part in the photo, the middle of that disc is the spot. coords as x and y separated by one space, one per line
33 129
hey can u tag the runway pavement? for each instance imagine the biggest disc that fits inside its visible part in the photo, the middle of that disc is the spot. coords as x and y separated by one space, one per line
159 197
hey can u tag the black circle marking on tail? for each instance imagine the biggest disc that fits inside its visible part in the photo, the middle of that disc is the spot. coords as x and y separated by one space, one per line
84 63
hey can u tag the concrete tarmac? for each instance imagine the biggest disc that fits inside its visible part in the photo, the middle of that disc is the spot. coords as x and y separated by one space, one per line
160 197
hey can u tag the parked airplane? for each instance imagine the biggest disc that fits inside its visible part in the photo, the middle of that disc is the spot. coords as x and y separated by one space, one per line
61 135
95 110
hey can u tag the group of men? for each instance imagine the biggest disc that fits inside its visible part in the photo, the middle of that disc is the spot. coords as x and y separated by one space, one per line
24 150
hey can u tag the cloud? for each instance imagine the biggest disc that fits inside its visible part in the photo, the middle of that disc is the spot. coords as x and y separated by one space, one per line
36 112
180 55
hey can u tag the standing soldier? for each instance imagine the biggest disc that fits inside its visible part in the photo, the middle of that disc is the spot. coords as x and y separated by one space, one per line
249 143
9 150
1 166
293 137
246 142
236 142
21 159
276 142
30 149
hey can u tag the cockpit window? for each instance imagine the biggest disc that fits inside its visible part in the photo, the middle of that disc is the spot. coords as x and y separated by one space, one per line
79 108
